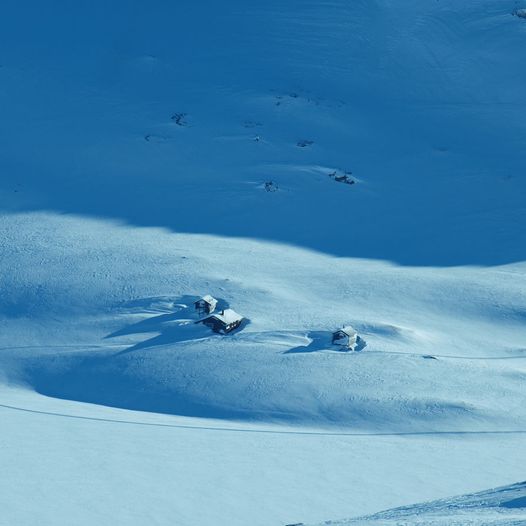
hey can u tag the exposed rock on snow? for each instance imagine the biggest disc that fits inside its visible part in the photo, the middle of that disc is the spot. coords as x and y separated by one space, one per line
155 138
270 186
340 177
304 143
180 119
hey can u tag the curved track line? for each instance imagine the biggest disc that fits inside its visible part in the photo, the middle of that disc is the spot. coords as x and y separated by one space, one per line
451 357
264 431
126 348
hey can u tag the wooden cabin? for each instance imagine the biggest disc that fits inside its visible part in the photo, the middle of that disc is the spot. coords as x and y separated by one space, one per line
205 305
223 322
346 337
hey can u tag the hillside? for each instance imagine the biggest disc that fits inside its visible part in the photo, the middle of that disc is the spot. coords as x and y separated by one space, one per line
309 164
501 506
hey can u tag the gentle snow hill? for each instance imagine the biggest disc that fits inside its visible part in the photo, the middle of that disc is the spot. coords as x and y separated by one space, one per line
504 506
152 152
116 299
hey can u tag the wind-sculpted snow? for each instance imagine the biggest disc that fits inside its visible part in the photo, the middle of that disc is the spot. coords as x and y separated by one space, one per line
165 116
504 506
147 353
310 164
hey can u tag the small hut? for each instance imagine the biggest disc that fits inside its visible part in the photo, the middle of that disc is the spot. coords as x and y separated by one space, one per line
346 337
223 322
205 305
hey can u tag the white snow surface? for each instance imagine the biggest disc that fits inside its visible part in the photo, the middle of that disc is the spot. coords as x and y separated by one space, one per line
136 143
227 316
505 506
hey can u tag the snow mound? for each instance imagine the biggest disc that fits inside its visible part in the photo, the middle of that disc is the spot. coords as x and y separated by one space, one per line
505 506
132 341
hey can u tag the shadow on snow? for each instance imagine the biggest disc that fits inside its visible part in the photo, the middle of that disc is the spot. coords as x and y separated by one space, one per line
176 326
322 341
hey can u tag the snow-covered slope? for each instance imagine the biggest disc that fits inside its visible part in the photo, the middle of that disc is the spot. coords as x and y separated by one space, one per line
154 152
422 101
504 506
435 339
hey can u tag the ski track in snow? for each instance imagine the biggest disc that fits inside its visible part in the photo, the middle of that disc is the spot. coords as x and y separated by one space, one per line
267 431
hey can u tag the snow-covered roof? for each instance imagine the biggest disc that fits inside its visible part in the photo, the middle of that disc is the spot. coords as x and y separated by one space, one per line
209 299
227 316
348 330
